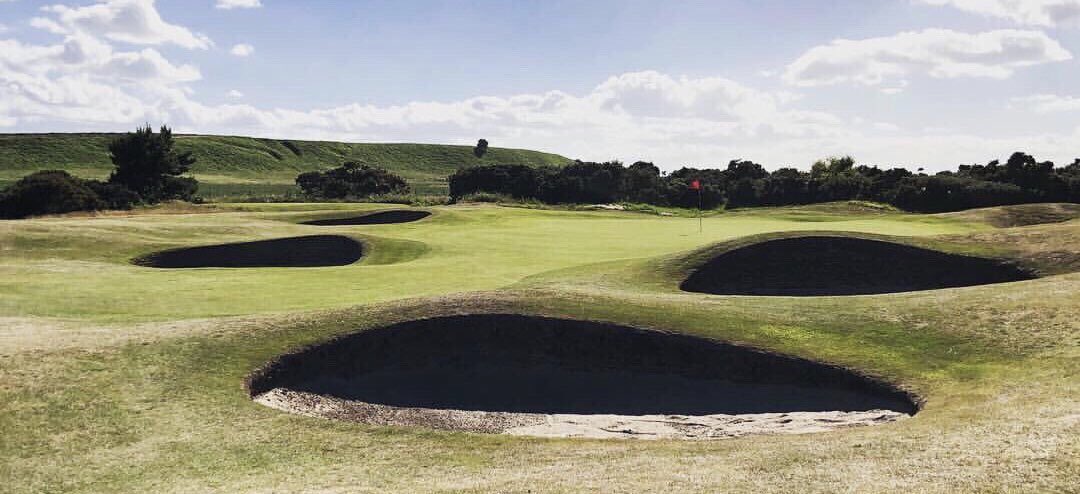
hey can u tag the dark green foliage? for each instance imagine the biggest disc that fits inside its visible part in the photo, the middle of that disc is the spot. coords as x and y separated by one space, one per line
583 182
351 181
744 183
48 192
518 181
481 148
147 164
113 196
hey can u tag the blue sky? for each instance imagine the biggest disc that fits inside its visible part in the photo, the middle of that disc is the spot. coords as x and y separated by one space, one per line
919 83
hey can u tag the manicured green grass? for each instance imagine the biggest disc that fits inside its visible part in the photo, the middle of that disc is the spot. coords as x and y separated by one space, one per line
268 165
469 248
116 378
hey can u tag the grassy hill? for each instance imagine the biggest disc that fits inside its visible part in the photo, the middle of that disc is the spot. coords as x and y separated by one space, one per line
245 165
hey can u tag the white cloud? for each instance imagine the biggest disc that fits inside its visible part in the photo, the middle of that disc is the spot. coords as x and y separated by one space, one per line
1046 103
128 21
242 50
238 4
82 55
82 81
939 53
1047 13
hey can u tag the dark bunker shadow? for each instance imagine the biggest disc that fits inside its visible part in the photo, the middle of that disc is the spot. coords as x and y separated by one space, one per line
513 363
309 251
818 266
377 218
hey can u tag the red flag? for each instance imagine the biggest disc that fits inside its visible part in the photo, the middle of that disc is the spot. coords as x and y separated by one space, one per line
695 185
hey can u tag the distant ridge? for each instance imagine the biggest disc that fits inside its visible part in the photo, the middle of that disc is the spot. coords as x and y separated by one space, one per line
232 163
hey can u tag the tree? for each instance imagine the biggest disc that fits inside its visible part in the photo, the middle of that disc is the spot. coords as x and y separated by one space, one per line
584 182
831 166
787 186
147 164
481 148
642 183
351 180
47 192
518 181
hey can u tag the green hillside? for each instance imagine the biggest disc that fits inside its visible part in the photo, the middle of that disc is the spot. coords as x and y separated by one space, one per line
246 165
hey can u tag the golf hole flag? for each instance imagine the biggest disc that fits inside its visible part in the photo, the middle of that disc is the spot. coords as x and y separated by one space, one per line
695 185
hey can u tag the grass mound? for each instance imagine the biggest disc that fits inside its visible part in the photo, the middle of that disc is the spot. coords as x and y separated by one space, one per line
376 218
514 364
309 251
833 265
231 166
1020 214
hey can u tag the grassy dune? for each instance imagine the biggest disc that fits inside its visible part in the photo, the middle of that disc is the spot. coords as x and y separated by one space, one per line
125 379
237 166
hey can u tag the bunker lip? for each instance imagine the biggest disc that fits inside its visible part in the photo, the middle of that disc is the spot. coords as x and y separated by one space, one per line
307 251
377 218
822 265
515 374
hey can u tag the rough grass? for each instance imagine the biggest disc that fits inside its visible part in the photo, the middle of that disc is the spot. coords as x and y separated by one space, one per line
246 167
110 383
1021 214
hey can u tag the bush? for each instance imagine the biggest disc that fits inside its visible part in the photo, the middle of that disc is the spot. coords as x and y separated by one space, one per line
351 181
113 196
48 192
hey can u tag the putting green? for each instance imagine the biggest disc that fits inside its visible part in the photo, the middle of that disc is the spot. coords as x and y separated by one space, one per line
119 378
464 249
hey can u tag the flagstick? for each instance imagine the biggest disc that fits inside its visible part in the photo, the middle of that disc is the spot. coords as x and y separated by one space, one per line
699 212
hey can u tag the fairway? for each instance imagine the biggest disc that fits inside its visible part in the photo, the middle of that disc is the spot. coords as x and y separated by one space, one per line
125 378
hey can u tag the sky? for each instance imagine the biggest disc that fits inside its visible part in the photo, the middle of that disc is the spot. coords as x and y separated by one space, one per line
917 83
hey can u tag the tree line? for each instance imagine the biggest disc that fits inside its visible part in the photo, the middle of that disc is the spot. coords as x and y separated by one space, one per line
1021 179
148 170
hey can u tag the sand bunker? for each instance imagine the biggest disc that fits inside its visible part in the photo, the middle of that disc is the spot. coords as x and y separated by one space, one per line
823 265
552 377
377 218
309 251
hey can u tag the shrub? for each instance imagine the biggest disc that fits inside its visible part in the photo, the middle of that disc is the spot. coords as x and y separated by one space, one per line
351 181
48 192
113 196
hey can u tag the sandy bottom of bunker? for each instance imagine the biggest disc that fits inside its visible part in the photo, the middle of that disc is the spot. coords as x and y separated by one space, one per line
569 425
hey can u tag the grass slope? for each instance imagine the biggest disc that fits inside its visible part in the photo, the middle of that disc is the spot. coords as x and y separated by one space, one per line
245 165
115 378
